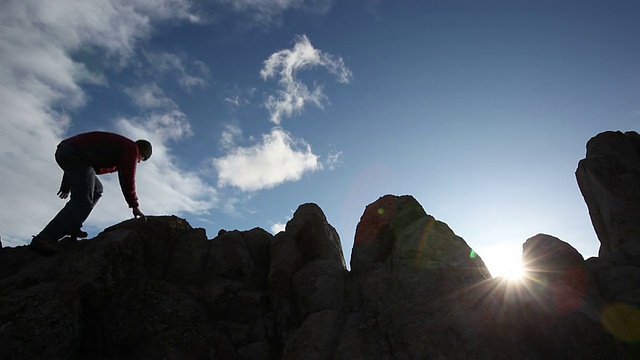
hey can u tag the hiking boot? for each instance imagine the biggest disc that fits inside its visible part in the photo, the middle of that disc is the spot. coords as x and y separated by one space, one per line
43 245
79 234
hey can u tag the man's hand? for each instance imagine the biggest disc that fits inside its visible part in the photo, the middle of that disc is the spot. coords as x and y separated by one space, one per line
63 193
137 213
65 187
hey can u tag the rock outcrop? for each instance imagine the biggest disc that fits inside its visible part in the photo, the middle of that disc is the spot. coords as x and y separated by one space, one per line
161 290
608 178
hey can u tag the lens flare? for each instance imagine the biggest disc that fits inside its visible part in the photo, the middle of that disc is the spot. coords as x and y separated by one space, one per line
623 321
425 233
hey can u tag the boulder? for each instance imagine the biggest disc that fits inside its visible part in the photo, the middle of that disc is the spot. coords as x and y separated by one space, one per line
307 272
546 257
608 178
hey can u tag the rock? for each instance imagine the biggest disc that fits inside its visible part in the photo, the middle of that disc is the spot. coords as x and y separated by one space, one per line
548 258
406 269
160 289
321 330
608 178
307 273
314 236
396 230
125 294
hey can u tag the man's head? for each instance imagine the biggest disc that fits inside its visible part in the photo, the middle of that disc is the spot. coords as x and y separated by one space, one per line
144 149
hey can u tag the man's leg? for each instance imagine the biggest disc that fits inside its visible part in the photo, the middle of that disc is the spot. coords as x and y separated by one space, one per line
83 197
97 193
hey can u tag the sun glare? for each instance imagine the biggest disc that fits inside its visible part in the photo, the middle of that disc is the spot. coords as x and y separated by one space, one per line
504 260
510 269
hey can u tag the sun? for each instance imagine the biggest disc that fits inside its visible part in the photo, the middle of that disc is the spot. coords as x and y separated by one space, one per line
508 268
504 260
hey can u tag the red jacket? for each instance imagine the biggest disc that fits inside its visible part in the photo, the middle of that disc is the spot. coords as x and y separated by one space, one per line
106 153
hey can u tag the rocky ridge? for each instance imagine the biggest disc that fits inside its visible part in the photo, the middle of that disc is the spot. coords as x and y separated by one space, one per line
161 290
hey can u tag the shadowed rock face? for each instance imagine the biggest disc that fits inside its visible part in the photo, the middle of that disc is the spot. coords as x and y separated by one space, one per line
608 178
546 257
161 290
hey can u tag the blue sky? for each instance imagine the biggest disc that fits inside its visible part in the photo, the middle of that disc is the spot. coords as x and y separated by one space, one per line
480 110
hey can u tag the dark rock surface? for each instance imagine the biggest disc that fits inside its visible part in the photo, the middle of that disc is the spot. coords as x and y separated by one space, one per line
609 179
161 290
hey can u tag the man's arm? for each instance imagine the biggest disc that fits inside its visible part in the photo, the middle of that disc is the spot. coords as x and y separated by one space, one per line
127 174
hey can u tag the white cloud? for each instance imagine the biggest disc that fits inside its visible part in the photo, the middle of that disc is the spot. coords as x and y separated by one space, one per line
277 159
294 94
161 127
277 227
38 77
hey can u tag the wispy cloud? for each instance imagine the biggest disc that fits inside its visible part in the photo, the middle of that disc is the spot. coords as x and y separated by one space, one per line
229 136
150 96
190 74
270 12
294 94
333 159
277 158
39 78
239 97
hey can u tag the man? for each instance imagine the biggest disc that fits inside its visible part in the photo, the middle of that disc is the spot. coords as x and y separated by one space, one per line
82 157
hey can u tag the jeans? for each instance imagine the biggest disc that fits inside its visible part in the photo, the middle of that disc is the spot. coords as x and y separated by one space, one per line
85 190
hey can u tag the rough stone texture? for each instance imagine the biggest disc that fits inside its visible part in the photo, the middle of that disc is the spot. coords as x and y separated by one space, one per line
608 178
547 257
161 290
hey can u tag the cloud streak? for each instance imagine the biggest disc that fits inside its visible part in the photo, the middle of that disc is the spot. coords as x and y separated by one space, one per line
270 12
293 94
190 74
150 96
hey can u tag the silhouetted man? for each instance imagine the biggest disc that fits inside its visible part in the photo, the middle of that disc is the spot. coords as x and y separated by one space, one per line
82 157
